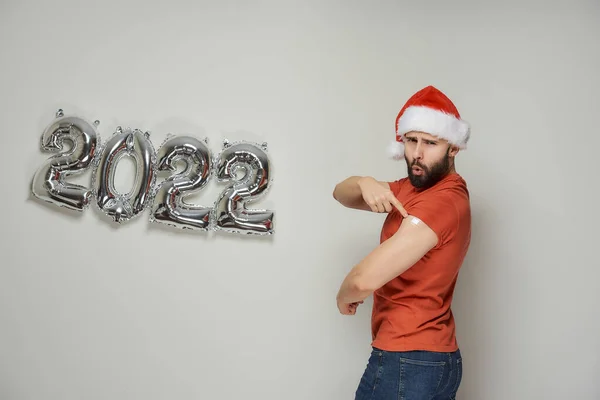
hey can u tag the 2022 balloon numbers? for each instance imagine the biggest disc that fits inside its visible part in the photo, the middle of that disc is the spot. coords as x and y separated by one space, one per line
166 200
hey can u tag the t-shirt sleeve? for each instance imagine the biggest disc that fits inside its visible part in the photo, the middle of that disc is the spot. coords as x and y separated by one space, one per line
439 212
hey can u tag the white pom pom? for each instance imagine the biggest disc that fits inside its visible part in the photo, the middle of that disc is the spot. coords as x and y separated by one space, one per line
396 150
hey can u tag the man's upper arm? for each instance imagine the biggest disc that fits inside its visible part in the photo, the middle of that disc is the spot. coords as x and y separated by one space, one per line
430 222
413 233
400 252
438 212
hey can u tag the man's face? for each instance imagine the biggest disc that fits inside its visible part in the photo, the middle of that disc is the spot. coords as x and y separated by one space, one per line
428 158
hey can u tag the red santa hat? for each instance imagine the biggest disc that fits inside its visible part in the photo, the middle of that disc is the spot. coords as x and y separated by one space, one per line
430 111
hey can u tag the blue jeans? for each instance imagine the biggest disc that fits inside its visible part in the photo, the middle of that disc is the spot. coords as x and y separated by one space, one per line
410 375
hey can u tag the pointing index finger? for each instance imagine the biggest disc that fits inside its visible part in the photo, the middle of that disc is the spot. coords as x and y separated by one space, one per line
399 206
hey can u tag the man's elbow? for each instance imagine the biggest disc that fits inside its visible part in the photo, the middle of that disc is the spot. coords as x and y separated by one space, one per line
363 285
338 194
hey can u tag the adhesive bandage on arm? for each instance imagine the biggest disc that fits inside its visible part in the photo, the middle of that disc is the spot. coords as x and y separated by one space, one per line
414 220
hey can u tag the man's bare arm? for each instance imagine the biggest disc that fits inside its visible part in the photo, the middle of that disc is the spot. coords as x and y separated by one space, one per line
394 256
366 193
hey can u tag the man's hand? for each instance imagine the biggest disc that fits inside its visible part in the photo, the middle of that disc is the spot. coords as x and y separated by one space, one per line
379 198
348 309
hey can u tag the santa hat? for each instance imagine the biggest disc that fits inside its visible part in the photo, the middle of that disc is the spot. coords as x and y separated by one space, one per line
430 111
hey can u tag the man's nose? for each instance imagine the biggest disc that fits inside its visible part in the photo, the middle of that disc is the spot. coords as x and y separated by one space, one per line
418 151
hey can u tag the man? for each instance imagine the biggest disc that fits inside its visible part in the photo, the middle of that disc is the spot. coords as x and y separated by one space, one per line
413 272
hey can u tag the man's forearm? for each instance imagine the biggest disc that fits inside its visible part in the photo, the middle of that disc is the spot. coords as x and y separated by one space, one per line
348 192
351 290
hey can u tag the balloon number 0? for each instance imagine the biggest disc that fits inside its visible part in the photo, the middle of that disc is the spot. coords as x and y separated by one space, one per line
165 200
136 144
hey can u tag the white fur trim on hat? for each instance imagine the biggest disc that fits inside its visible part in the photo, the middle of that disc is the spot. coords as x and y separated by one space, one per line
436 123
396 150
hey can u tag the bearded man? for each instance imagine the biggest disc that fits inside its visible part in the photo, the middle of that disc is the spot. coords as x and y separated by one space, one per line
413 272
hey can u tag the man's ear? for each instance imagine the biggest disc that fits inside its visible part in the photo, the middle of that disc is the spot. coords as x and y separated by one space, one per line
453 151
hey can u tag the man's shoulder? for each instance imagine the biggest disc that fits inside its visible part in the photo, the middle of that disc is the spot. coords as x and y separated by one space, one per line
450 196
451 185
445 207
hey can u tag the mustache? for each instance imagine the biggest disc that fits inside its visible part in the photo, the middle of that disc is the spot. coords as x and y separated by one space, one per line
415 163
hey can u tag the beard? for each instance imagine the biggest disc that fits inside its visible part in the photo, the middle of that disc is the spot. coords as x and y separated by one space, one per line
431 175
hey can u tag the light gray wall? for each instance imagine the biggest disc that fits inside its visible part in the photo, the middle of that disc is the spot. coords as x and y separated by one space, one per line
91 311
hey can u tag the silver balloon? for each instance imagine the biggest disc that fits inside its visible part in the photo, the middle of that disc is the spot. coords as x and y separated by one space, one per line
48 183
230 212
134 143
168 205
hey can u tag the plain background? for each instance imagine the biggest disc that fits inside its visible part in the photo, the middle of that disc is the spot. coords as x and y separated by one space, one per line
90 310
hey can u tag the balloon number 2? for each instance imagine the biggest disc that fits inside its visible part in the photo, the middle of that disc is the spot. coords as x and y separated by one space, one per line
168 206
230 208
166 200
49 180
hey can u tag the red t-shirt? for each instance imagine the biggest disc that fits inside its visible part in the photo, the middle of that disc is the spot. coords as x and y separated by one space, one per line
412 311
